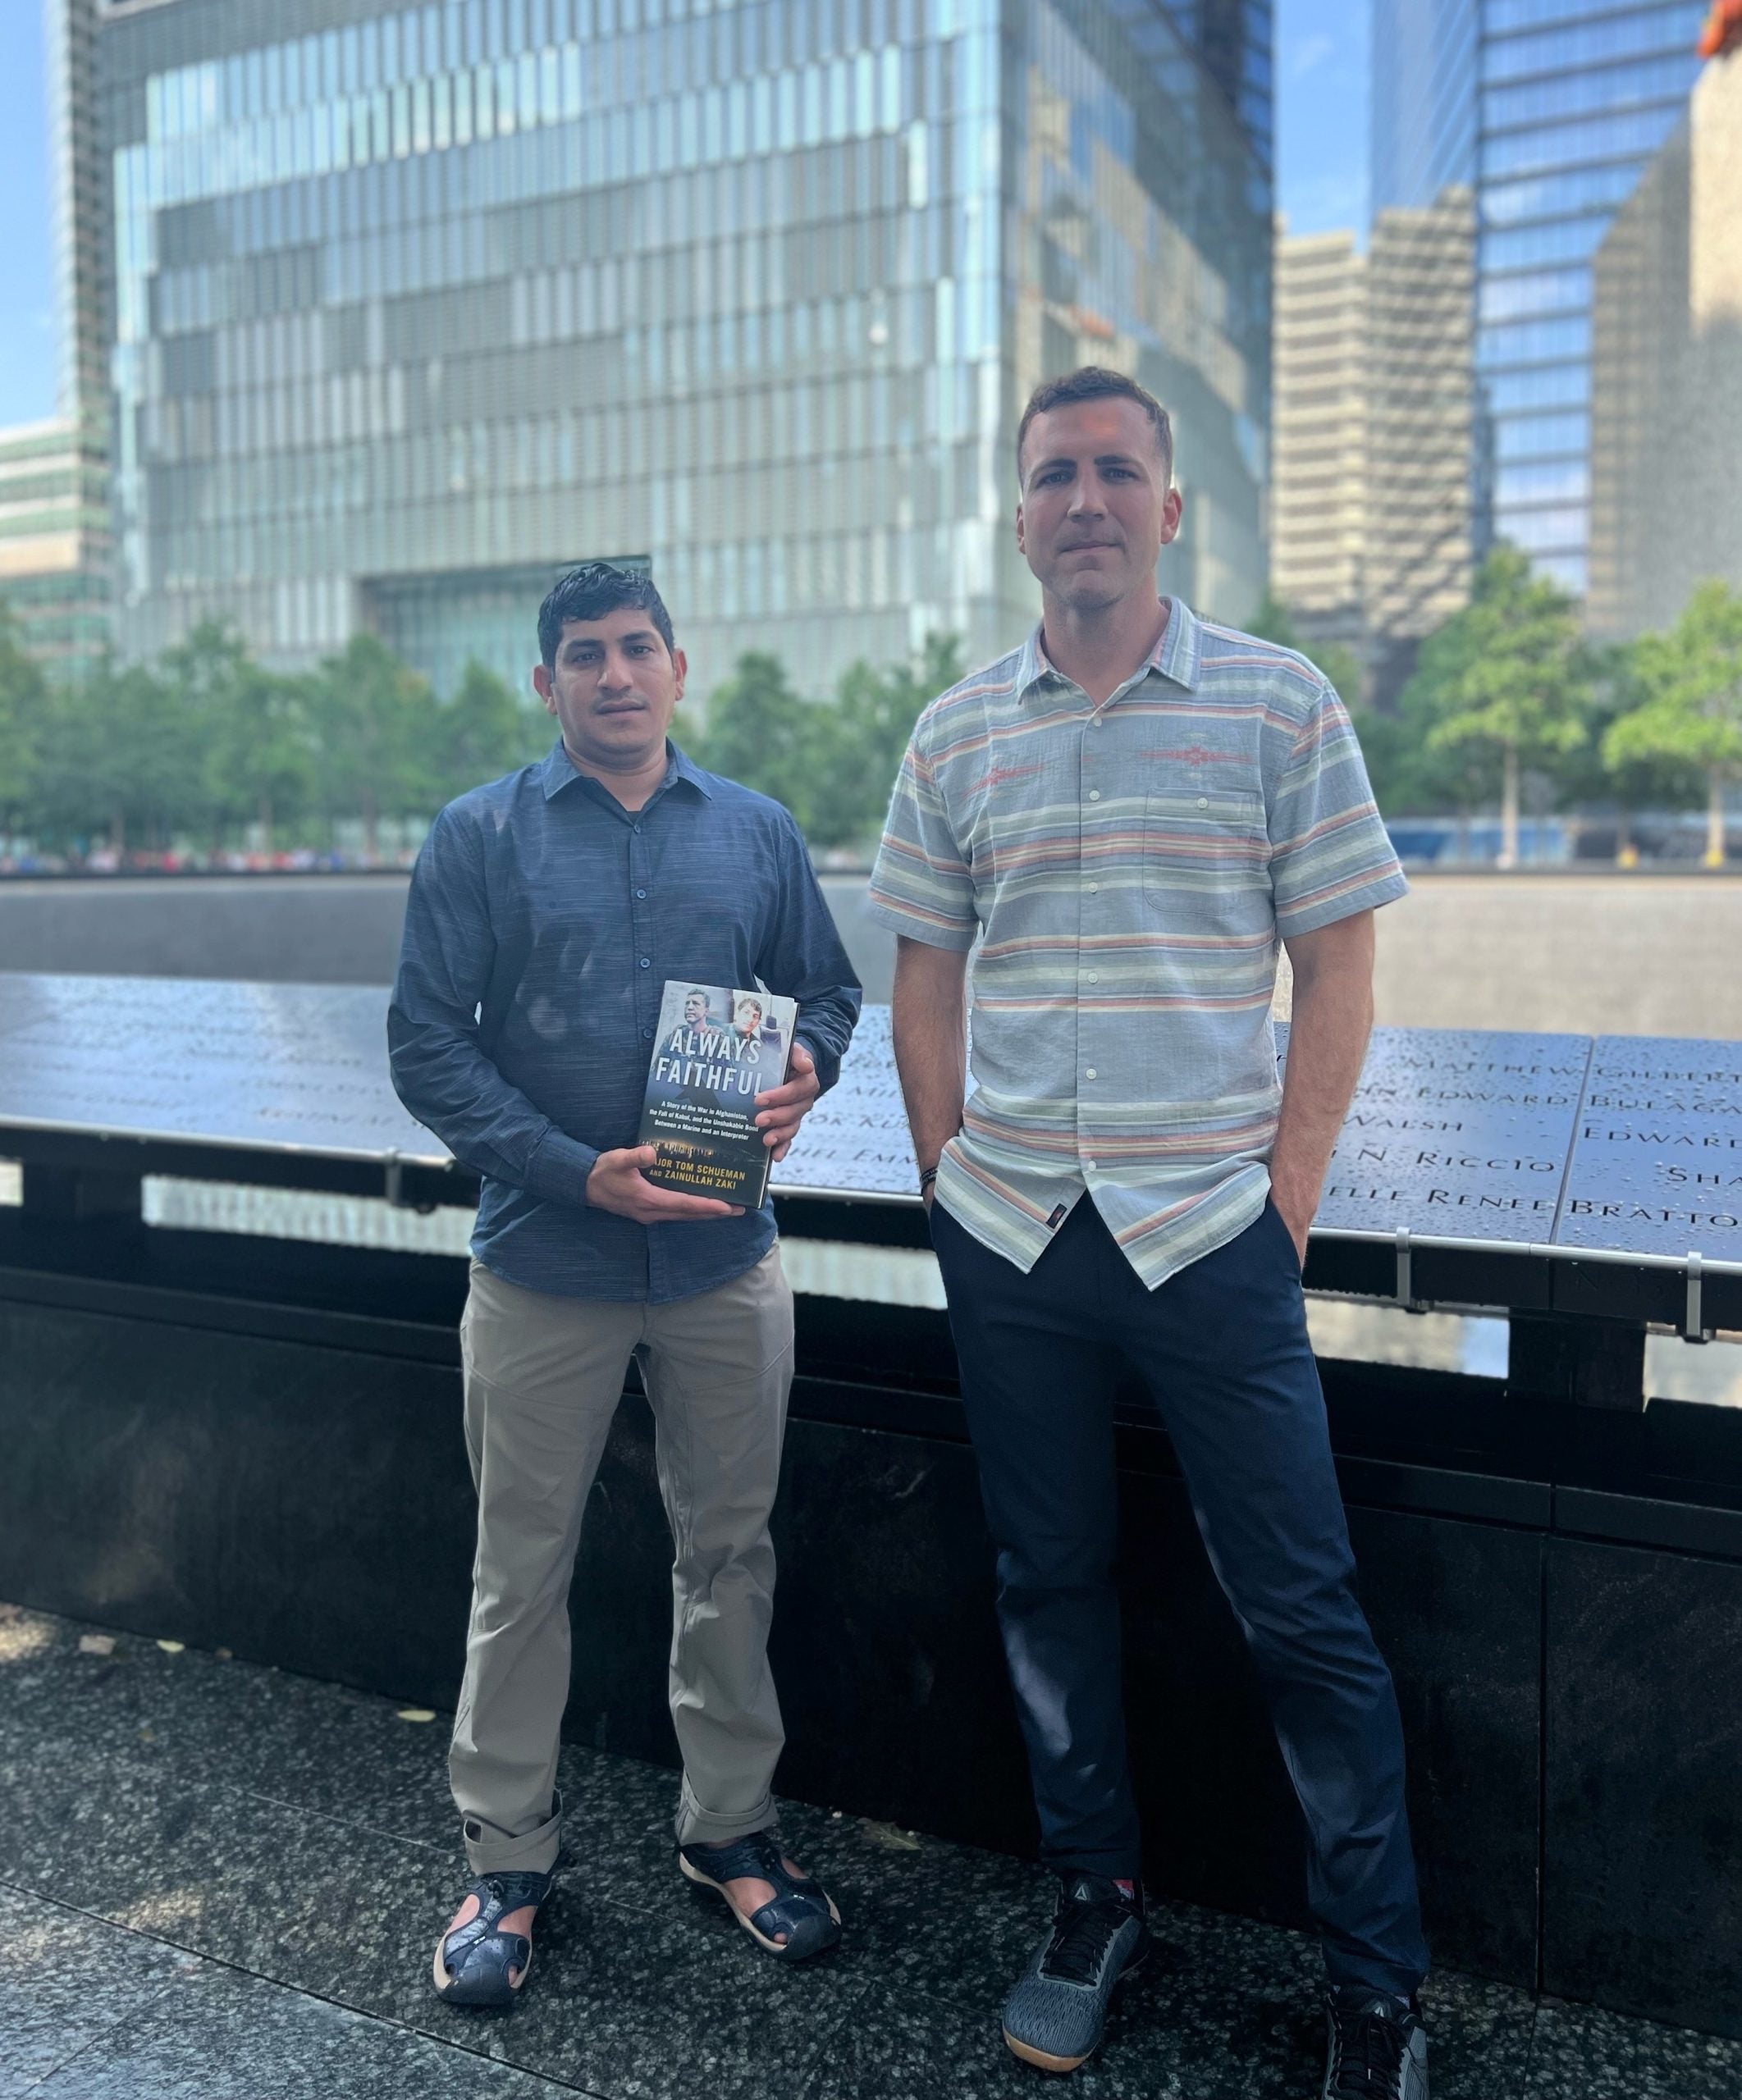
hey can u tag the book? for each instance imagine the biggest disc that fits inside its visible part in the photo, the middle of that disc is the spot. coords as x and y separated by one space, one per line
717 1050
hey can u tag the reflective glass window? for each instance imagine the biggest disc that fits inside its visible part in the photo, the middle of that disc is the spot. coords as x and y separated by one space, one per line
1558 481
1523 437
1560 240
1633 34
1576 94
1630 132
1579 189
1541 531
1538 291
1531 342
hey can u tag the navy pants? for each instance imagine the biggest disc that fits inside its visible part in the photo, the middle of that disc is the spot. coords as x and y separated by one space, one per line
1223 1351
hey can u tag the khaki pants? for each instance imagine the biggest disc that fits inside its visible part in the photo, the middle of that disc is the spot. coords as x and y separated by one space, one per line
543 1375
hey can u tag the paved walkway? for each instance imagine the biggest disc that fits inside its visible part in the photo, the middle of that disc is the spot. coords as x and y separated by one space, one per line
220 1882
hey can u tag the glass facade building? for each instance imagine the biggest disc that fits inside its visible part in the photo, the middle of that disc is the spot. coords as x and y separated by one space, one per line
413 306
1551 109
54 543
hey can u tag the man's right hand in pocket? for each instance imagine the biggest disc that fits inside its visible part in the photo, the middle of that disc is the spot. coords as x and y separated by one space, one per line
618 1183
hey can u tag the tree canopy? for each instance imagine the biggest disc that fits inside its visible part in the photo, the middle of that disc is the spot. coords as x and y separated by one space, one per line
1690 711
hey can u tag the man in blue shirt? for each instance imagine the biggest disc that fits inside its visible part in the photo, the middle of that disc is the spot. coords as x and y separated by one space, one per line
547 911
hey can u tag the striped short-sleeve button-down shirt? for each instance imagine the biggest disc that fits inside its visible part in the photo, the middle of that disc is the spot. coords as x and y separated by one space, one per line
1128 870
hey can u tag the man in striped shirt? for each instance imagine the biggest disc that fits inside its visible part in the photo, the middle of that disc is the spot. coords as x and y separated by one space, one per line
1128 813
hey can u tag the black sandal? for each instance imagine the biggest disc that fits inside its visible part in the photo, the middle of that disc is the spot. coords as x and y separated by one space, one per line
801 1909
473 1961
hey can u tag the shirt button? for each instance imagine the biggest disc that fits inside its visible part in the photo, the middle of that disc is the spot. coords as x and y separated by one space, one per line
1091 1073
1091 887
647 962
648 1033
638 828
1203 801
641 893
1094 794
1092 977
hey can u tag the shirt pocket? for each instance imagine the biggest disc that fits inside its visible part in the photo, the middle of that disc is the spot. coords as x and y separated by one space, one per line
1206 859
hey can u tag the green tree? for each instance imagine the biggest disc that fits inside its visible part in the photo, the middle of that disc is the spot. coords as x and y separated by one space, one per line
1691 711
1274 622
263 752
1509 676
23 698
831 762
483 732
861 737
1587 781
133 747
760 732
378 737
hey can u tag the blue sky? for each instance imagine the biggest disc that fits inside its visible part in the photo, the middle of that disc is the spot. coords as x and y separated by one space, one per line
1321 77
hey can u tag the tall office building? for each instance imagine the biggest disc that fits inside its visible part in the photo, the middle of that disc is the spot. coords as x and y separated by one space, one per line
1666 373
413 306
54 543
1370 521
1549 109
1421 419
1318 436
55 535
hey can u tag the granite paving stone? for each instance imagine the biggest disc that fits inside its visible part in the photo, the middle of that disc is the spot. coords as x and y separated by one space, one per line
222 2035
223 1881
67 1982
1581 2052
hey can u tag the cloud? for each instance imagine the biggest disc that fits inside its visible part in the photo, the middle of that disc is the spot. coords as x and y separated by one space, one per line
1310 52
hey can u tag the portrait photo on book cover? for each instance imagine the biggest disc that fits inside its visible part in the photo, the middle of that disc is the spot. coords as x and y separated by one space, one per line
717 1047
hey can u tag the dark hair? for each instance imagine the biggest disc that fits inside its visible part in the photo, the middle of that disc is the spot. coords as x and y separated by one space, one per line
1095 382
590 592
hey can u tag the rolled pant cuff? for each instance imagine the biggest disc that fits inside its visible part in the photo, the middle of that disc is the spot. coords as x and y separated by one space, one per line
490 1850
697 1825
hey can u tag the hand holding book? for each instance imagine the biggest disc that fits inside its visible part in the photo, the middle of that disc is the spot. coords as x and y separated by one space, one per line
619 1182
780 1111
727 1089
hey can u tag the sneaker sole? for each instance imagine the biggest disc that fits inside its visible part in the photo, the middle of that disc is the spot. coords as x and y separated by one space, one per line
1040 2058
1030 2055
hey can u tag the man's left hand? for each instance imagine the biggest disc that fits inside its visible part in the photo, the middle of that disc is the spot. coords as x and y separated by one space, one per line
780 1111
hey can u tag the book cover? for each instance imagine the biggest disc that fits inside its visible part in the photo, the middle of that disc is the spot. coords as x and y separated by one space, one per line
717 1049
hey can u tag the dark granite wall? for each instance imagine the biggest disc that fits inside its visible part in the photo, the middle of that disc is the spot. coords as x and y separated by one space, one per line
306 1502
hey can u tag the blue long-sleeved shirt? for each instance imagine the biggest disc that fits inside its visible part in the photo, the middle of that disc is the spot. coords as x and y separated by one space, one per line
543 920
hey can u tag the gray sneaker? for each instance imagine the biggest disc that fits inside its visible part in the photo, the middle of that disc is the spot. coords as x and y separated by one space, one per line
1376 2047
1055 2015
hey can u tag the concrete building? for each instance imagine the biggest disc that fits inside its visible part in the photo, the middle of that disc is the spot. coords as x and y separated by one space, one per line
411 308
1666 373
1370 521
1319 379
54 543
1549 110
1420 402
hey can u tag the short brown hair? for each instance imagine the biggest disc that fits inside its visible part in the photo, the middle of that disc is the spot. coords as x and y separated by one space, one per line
1095 382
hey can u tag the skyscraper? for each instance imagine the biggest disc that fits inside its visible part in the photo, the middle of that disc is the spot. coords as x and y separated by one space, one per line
1370 501
413 306
1549 109
1666 373
1319 436
55 534
1420 423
